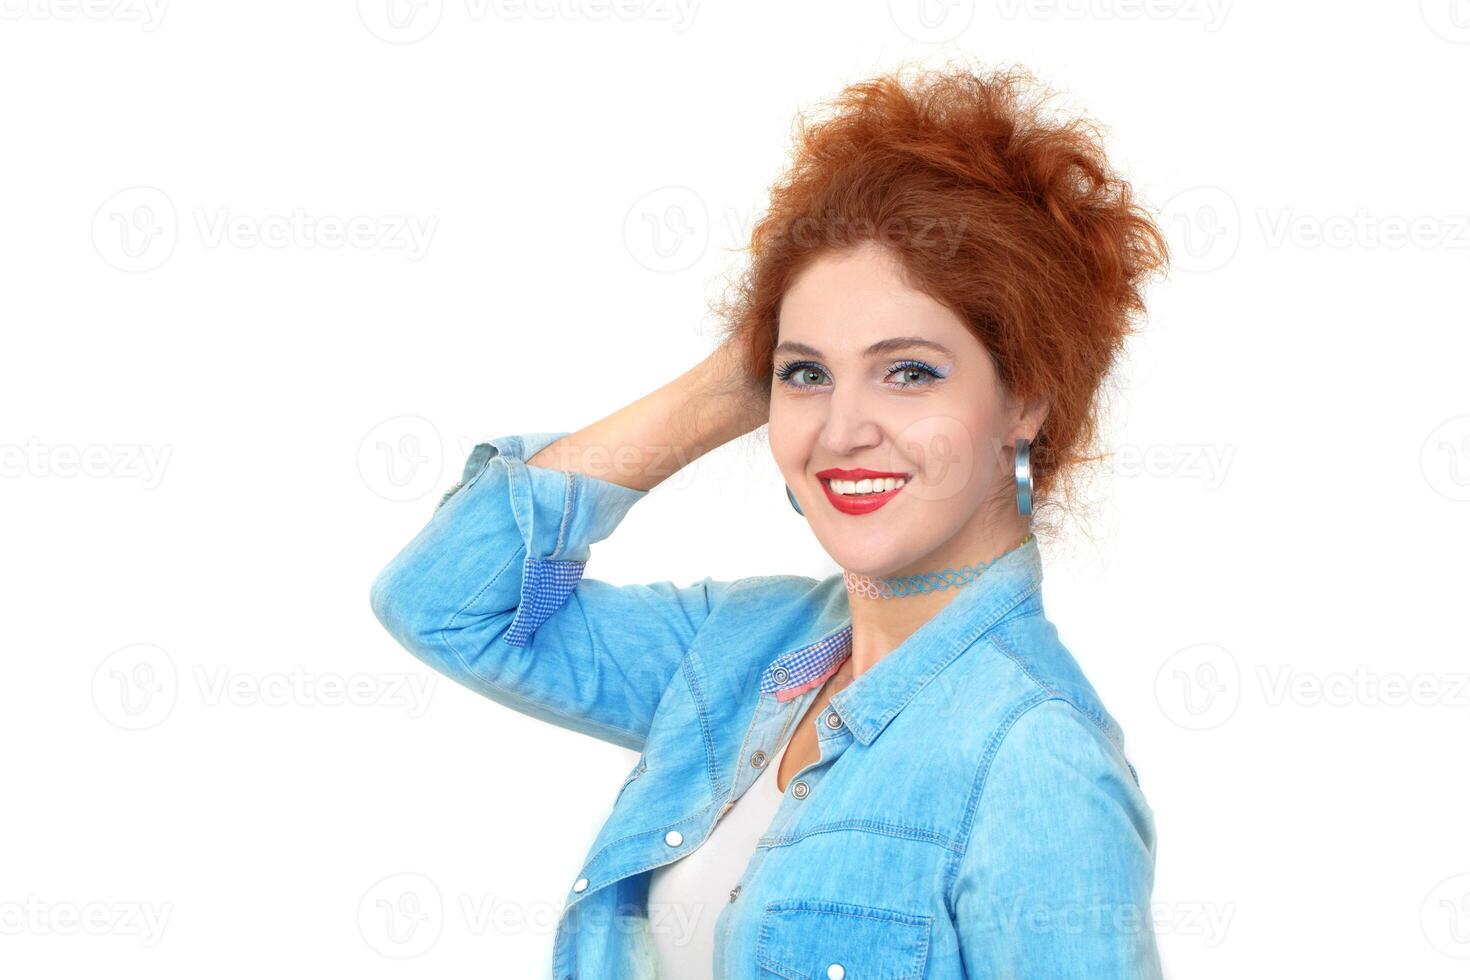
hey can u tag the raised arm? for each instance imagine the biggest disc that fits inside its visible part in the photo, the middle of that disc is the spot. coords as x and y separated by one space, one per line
642 444
490 592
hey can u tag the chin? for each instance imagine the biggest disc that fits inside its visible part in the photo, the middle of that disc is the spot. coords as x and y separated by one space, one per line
865 562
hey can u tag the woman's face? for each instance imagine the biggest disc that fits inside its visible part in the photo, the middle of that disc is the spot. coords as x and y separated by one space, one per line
873 375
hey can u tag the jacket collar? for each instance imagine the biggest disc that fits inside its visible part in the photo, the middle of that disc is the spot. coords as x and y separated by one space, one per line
874 698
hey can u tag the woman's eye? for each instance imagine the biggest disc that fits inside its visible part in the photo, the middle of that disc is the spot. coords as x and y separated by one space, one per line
913 374
810 376
806 376
801 375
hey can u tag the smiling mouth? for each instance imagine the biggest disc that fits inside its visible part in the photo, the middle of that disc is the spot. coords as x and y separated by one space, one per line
867 487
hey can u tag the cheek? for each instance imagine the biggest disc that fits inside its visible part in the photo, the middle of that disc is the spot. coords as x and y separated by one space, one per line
952 448
790 443
940 451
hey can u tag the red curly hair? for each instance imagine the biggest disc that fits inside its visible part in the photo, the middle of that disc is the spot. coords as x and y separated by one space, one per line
1014 222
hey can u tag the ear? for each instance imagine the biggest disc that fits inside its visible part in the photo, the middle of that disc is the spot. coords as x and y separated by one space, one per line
1031 414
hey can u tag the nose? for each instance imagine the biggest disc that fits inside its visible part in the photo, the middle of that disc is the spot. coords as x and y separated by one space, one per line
850 425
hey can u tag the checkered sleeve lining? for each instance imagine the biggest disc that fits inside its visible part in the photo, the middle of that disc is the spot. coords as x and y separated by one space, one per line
579 509
546 585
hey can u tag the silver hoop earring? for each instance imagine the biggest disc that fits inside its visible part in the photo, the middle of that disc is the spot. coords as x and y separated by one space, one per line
791 498
1023 476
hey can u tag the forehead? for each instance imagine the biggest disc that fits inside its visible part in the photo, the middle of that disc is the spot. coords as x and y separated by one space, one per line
843 302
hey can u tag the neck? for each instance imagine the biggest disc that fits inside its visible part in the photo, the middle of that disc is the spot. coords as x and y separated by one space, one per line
886 610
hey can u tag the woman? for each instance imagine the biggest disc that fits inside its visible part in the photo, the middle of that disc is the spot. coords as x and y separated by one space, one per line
894 772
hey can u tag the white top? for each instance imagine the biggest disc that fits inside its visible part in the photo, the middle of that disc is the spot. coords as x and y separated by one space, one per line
685 897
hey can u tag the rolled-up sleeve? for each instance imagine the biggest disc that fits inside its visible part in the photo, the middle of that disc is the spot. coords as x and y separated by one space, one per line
491 593
1057 874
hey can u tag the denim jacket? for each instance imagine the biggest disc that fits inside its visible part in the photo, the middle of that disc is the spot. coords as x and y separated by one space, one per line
971 814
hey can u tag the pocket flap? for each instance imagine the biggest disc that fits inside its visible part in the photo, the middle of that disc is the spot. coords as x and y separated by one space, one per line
820 940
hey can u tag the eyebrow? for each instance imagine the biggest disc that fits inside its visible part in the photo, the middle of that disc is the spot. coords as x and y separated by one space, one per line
889 346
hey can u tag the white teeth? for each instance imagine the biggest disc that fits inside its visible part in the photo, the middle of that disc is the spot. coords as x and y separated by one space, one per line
879 485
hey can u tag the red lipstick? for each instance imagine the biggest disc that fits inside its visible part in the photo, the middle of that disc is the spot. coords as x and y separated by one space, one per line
858 505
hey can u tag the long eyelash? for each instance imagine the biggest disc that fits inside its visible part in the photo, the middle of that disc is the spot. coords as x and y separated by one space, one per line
905 365
786 370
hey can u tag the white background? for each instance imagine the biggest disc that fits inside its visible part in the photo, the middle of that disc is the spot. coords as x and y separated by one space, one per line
217 427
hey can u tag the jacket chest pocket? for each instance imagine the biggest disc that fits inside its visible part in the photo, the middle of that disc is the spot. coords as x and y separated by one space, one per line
806 939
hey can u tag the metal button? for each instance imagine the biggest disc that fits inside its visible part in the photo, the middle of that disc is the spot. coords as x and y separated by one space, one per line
833 721
734 893
782 675
673 838
799 789
757 758
836 972
580 885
